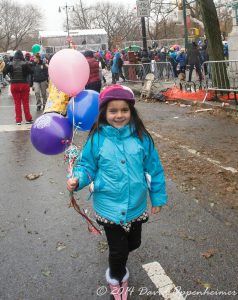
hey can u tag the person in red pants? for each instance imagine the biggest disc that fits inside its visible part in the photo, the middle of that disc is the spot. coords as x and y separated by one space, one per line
19 72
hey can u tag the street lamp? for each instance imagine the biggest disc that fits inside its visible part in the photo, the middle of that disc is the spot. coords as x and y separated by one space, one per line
66 8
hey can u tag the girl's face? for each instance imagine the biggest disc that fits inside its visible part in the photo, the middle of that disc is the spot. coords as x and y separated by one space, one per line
118 113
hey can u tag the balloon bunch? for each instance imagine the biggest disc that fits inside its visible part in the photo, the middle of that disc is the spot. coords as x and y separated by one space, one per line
69 73
52 133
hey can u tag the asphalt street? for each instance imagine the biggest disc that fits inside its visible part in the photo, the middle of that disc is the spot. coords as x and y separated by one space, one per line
46 251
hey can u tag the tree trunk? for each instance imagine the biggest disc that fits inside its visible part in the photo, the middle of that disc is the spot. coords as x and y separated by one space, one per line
215 46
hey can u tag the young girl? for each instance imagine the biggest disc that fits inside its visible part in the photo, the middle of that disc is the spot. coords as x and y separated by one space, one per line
120 158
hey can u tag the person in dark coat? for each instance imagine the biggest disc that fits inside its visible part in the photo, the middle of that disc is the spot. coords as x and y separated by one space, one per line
194 60
94 81
204 57
19 70
28 60
40 81
181 59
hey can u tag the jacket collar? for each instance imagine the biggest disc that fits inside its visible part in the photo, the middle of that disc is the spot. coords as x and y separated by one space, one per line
123 132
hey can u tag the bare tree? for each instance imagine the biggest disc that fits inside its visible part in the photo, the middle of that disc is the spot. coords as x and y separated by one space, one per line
17 23
83 16
212 28
116 20
119 22
224 17
161 16
213 33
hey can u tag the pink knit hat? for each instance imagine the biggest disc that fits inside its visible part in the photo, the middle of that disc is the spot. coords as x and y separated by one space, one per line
116 92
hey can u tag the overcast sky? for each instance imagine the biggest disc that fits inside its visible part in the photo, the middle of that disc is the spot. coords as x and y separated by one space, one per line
53 20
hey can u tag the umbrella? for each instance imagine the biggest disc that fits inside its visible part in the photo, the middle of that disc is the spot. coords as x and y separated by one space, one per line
134 48
176 47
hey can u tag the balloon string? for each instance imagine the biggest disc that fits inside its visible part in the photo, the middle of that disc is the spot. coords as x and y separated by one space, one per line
91 227
73 122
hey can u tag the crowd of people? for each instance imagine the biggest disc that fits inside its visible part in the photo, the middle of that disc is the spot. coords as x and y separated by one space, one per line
180 58
31 71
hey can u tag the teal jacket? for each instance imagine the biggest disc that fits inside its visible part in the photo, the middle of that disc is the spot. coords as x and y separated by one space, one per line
123 170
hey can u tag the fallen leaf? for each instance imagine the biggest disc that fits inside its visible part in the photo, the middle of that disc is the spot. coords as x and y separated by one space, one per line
32 176
46 273
204 284
184 236
75 255
231 189
209 253
60 246
102 246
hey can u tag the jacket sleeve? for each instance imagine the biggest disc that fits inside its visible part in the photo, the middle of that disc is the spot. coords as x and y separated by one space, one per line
8 69
154 174
86 167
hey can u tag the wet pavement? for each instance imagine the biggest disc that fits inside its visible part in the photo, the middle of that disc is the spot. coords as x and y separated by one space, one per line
46 251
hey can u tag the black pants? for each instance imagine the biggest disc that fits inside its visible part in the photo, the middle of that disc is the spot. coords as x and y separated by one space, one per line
115 78
120 244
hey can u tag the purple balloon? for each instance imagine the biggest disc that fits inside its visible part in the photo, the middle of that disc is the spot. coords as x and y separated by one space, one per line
51 133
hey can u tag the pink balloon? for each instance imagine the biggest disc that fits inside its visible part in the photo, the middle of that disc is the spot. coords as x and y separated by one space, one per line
69 71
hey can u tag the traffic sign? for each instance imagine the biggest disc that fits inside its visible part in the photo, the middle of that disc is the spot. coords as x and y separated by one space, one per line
143 8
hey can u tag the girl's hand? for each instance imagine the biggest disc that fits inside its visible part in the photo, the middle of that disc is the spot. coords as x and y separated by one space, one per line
72 184
156 209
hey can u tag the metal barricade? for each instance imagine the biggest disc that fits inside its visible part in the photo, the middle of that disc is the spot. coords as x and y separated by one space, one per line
221 76
163 71
133 72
